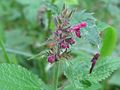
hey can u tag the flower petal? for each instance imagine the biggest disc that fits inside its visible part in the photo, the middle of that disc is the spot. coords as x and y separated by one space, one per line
78 34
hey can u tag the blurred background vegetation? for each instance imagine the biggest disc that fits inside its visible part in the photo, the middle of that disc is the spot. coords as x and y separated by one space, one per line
25 25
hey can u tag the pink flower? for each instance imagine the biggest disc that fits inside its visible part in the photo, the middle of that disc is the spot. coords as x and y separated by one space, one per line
83 25
76 28
65 45
70 30
78 34
51 58
72 41
58 32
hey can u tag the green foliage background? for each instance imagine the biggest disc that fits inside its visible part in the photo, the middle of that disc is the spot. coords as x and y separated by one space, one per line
25 26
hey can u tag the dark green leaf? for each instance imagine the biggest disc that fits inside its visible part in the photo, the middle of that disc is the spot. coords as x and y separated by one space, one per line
13 77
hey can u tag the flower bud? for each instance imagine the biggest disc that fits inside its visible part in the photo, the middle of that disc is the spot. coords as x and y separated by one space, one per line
72 41
58 32
83 25
96 56
67 46
94 59
76 28
51 58
78 33
64 45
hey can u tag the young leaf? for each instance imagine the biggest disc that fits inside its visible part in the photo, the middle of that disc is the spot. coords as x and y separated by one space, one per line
91 33
109 42
70 87
115 79
76 71
102 26
104 68
14 77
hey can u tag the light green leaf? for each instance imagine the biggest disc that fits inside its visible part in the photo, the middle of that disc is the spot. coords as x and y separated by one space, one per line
91 33
70 87
109 42
104 68
13 77
94 86
81 16
102 26
115 79
77 71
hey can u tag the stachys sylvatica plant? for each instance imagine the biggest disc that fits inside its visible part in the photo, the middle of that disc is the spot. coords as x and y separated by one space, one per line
68 65
64 37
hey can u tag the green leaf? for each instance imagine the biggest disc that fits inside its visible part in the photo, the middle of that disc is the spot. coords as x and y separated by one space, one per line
104 68
115 79
77 71
14 77
94 86
70 87
109 42
102 26
81 16
91 33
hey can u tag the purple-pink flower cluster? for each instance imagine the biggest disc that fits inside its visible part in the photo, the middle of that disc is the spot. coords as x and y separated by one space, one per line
78 27
64 36
63 39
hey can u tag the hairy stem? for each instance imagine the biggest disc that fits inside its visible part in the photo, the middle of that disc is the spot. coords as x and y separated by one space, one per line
56 75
